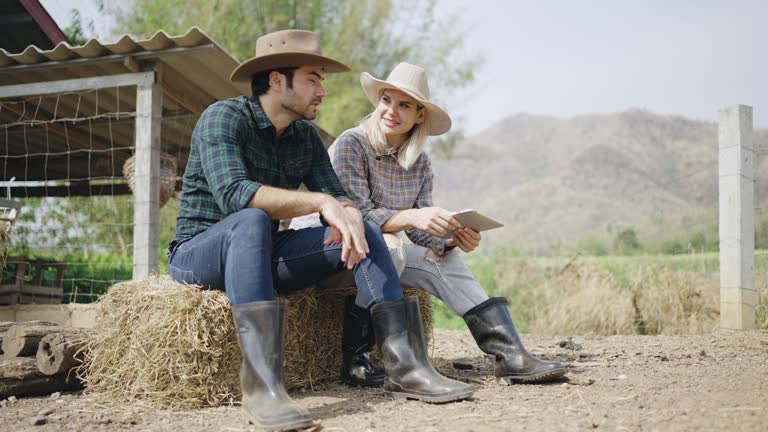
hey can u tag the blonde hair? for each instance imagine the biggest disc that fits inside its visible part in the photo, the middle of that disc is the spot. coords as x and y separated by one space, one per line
409 150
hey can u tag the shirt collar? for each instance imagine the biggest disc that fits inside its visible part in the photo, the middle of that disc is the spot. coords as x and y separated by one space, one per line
389 152
262 120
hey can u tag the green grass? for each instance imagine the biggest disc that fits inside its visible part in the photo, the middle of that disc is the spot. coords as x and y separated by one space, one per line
484 267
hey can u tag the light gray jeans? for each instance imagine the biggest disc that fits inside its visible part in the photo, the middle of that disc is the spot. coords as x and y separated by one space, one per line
448 278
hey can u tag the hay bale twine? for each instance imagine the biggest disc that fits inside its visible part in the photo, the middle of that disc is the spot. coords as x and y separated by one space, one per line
168 170
174 346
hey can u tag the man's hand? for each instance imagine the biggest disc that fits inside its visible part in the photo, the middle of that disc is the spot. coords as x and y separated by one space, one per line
465 239
434 220
347 226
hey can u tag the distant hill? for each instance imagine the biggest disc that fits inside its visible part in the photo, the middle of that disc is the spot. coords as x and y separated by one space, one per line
554 181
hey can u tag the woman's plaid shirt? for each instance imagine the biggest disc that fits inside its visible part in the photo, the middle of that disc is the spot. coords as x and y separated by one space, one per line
379 186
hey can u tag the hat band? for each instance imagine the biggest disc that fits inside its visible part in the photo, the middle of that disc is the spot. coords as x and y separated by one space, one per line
408 89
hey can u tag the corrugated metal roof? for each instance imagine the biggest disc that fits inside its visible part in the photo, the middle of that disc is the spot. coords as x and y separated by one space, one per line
175 51
195 73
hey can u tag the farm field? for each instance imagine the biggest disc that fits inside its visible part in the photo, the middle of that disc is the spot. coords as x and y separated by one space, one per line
713 382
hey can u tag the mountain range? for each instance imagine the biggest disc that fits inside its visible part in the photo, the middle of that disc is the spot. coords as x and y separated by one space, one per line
556 181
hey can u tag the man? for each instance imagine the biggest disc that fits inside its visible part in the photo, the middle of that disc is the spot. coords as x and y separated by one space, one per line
248 155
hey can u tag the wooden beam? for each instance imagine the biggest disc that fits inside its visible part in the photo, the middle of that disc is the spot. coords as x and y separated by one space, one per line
132 64
76 84
68 166
146 190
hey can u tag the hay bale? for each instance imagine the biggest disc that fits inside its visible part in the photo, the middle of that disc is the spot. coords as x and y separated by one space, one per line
168 172
174 346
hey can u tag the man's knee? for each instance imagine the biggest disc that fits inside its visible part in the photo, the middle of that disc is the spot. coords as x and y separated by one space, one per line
252 222
372 230
374 236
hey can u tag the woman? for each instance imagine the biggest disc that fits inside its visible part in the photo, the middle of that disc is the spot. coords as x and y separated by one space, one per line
383 168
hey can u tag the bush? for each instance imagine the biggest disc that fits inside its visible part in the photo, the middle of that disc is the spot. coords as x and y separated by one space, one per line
592 245
672 247
626 242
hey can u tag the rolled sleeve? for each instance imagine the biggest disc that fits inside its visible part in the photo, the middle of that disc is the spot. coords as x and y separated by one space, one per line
427 240
424 199
219 135
380 216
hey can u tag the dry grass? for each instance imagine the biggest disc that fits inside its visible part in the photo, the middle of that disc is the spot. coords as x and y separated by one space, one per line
174 346
582 299
762 308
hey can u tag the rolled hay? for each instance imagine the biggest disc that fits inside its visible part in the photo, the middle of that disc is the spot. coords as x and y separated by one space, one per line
174 346
652 300
168 171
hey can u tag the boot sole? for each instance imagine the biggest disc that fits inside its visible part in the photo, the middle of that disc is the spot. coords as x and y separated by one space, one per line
368 384
430 399
281 426
530 379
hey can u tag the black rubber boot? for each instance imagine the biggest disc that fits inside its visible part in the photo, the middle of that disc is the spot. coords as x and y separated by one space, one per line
409 373
492 327
261 334
357 370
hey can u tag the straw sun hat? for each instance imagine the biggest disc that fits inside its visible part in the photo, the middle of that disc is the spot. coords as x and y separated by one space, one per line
286 48
411 80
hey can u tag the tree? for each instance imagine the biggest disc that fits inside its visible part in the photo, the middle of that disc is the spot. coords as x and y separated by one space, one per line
368 35
626 241
77 30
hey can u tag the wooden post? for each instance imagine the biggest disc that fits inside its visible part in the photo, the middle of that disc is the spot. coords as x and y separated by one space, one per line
738 296
149 106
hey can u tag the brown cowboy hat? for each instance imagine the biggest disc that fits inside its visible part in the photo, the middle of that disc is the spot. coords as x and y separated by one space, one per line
411 80
286 48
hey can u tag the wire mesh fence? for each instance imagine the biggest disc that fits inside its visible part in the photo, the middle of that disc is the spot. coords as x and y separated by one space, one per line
67 154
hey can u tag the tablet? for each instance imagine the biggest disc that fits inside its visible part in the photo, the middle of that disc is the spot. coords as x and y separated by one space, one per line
473 219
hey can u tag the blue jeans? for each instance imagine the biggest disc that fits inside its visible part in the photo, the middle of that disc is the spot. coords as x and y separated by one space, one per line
242 256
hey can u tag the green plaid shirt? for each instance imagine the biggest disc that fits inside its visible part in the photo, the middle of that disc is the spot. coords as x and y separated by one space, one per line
235 150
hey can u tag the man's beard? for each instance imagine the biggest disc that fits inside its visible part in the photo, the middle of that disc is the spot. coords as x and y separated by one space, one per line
295 105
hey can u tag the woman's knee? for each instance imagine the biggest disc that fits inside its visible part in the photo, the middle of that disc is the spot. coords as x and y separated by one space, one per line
392 240
398 258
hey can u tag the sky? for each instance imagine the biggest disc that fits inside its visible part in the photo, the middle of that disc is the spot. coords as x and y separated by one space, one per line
565 57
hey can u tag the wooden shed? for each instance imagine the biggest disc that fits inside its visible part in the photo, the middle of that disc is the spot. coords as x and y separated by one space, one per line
70 118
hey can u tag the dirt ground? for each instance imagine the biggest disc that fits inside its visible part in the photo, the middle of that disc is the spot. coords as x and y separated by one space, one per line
715 382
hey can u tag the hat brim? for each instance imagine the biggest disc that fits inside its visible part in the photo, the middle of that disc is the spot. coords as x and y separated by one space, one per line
439 120
248 68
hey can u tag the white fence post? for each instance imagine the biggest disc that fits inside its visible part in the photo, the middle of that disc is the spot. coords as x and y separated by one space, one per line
738 296
146 215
